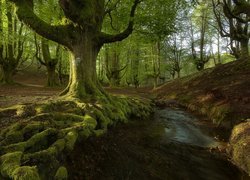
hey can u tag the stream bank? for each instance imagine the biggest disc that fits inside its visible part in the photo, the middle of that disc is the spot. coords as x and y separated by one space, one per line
170 145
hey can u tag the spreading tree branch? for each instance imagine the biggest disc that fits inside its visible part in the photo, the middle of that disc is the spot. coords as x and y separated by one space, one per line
25 13
107 38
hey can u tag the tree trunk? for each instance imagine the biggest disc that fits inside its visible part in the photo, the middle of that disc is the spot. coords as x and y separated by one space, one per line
218 50
178 74
155 82
83 80
52 78
244 49
7 76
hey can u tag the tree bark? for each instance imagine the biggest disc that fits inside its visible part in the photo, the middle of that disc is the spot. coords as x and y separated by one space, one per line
83 37
50 63
83 80
244 49
7 75
52 77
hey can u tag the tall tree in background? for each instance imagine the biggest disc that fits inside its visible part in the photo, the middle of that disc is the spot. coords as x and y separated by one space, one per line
45 57
82 35
201 18
156 28
11 43
233 23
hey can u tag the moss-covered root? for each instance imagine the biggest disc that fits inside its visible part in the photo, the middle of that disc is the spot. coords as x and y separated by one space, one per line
34 148
61 174
240 146
10 165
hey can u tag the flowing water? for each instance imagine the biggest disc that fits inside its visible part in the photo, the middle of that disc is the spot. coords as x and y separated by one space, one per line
180 127
171 146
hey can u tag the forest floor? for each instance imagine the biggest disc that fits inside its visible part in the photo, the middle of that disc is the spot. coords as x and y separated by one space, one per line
221 93
30 89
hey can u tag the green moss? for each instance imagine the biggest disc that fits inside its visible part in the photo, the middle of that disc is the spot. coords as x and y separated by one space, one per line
44 156
9 162
11 111
59 145
61 174
14 127
14 147
26 173
53 132
240 146
84 134
41 137
70 140
99 132
14 137
218 113
90 122
25 111
102 120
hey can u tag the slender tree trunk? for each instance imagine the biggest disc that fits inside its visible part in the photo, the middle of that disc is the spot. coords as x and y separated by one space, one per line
7 75
178 74
50 63
52 78
244 49
218 46
155 82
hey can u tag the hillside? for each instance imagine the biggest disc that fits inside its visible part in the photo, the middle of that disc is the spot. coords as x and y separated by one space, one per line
223 95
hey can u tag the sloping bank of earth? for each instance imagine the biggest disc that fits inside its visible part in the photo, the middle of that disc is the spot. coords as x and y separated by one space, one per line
223 95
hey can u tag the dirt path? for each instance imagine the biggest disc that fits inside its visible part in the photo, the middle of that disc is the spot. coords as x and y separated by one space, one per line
31 93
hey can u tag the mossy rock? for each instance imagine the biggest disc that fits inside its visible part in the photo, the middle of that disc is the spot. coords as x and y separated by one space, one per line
240 146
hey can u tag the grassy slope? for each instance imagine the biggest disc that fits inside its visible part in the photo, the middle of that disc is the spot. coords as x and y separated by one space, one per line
223 94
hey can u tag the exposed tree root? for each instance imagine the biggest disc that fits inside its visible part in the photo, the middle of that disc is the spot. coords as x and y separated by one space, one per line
35 146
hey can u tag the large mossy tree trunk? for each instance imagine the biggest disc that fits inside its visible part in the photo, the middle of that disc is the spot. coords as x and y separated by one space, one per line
83 37
84 109
83 81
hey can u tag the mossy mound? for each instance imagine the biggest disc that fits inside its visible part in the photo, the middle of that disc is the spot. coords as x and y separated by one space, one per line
240 146
36 145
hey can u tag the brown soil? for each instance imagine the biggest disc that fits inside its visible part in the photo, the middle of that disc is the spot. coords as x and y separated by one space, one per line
30 89
136 150
225 86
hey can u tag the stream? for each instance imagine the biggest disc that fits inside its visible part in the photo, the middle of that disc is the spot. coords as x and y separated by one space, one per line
180 127
171 146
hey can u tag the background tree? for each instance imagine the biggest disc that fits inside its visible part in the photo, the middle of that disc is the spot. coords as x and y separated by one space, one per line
233 23
11 43
82 35
44 56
